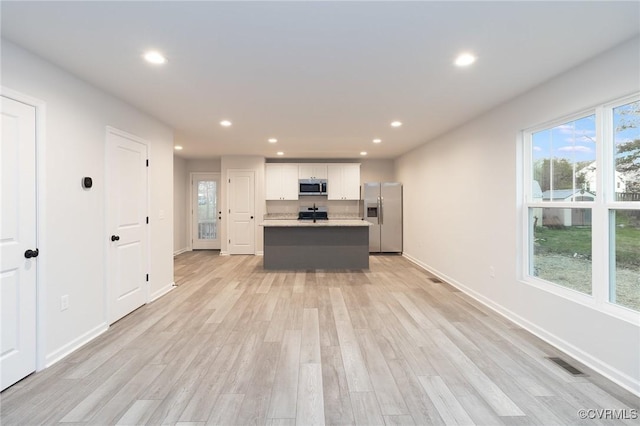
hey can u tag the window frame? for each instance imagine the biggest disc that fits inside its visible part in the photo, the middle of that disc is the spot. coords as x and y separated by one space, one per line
602 207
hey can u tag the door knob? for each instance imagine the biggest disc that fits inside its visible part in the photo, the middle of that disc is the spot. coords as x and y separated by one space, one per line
31 253
115 237
251 217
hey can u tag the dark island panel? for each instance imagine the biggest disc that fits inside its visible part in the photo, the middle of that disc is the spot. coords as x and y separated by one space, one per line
316 247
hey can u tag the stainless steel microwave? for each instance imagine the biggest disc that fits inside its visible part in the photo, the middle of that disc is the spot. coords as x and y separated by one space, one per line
312 187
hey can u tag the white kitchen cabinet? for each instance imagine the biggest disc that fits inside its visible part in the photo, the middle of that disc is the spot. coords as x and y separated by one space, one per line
343 181
312 171
281 181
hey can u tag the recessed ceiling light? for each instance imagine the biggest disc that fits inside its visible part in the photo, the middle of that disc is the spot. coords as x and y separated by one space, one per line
225 123
155 57
363 153
279 153
396 124
177 148
465 59
273 140
377 140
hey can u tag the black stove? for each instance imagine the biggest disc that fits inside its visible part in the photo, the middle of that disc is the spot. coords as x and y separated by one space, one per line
313 213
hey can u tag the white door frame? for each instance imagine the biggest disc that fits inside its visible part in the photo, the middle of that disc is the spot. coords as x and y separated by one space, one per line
190 212
106 233
41 240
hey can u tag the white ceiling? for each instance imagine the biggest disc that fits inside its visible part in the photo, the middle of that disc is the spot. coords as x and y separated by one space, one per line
325 78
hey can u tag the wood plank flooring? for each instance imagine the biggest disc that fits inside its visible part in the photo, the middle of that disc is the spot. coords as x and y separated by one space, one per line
236 345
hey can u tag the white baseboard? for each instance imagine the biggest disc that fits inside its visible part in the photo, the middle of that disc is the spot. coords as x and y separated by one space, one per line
161 292
260 253
224 253
613 374
75 344
182 250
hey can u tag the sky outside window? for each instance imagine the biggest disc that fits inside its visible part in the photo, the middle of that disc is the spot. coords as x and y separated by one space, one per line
574 141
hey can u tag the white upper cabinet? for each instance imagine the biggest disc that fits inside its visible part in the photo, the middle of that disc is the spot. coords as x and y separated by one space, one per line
281 181
312 171
343 181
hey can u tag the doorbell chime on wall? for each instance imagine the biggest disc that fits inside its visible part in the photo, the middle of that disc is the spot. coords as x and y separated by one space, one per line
87 182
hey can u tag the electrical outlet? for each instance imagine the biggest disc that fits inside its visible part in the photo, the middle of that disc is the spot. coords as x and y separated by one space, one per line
492 272
64 302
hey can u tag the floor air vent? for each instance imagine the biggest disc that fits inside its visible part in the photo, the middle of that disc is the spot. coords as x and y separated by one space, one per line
566 366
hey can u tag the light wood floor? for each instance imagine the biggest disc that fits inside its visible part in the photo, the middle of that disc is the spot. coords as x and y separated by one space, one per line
235 345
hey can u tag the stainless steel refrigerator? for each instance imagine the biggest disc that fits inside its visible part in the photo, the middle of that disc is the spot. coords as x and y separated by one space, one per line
383 208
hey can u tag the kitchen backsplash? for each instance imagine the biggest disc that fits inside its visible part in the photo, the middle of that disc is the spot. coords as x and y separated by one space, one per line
334 208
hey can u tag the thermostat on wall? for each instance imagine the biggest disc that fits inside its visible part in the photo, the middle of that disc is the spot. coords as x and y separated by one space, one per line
87 182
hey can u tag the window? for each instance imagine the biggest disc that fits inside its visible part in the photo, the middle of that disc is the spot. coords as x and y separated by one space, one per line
564 161
563 169
624 280
626 147
562 247
582 180
623 207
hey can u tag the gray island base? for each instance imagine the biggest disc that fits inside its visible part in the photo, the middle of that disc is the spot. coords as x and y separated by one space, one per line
333 244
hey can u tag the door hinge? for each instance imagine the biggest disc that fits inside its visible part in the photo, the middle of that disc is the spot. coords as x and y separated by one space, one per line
147 163
147 220
147 277
229 241
229 180
229 211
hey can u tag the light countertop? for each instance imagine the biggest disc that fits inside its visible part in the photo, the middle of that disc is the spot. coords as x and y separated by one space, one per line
294 216
291 223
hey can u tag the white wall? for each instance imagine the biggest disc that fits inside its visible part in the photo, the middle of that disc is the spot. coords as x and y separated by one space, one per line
73 238
377 171
462 210
212 165
180 204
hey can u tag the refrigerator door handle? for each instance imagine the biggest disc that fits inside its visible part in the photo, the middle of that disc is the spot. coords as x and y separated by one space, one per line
381 215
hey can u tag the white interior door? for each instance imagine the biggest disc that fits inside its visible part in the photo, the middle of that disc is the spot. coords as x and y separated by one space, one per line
205 211
17 236
241 231
126 223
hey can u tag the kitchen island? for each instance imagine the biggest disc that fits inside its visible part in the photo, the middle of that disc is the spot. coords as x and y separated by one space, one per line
324 244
